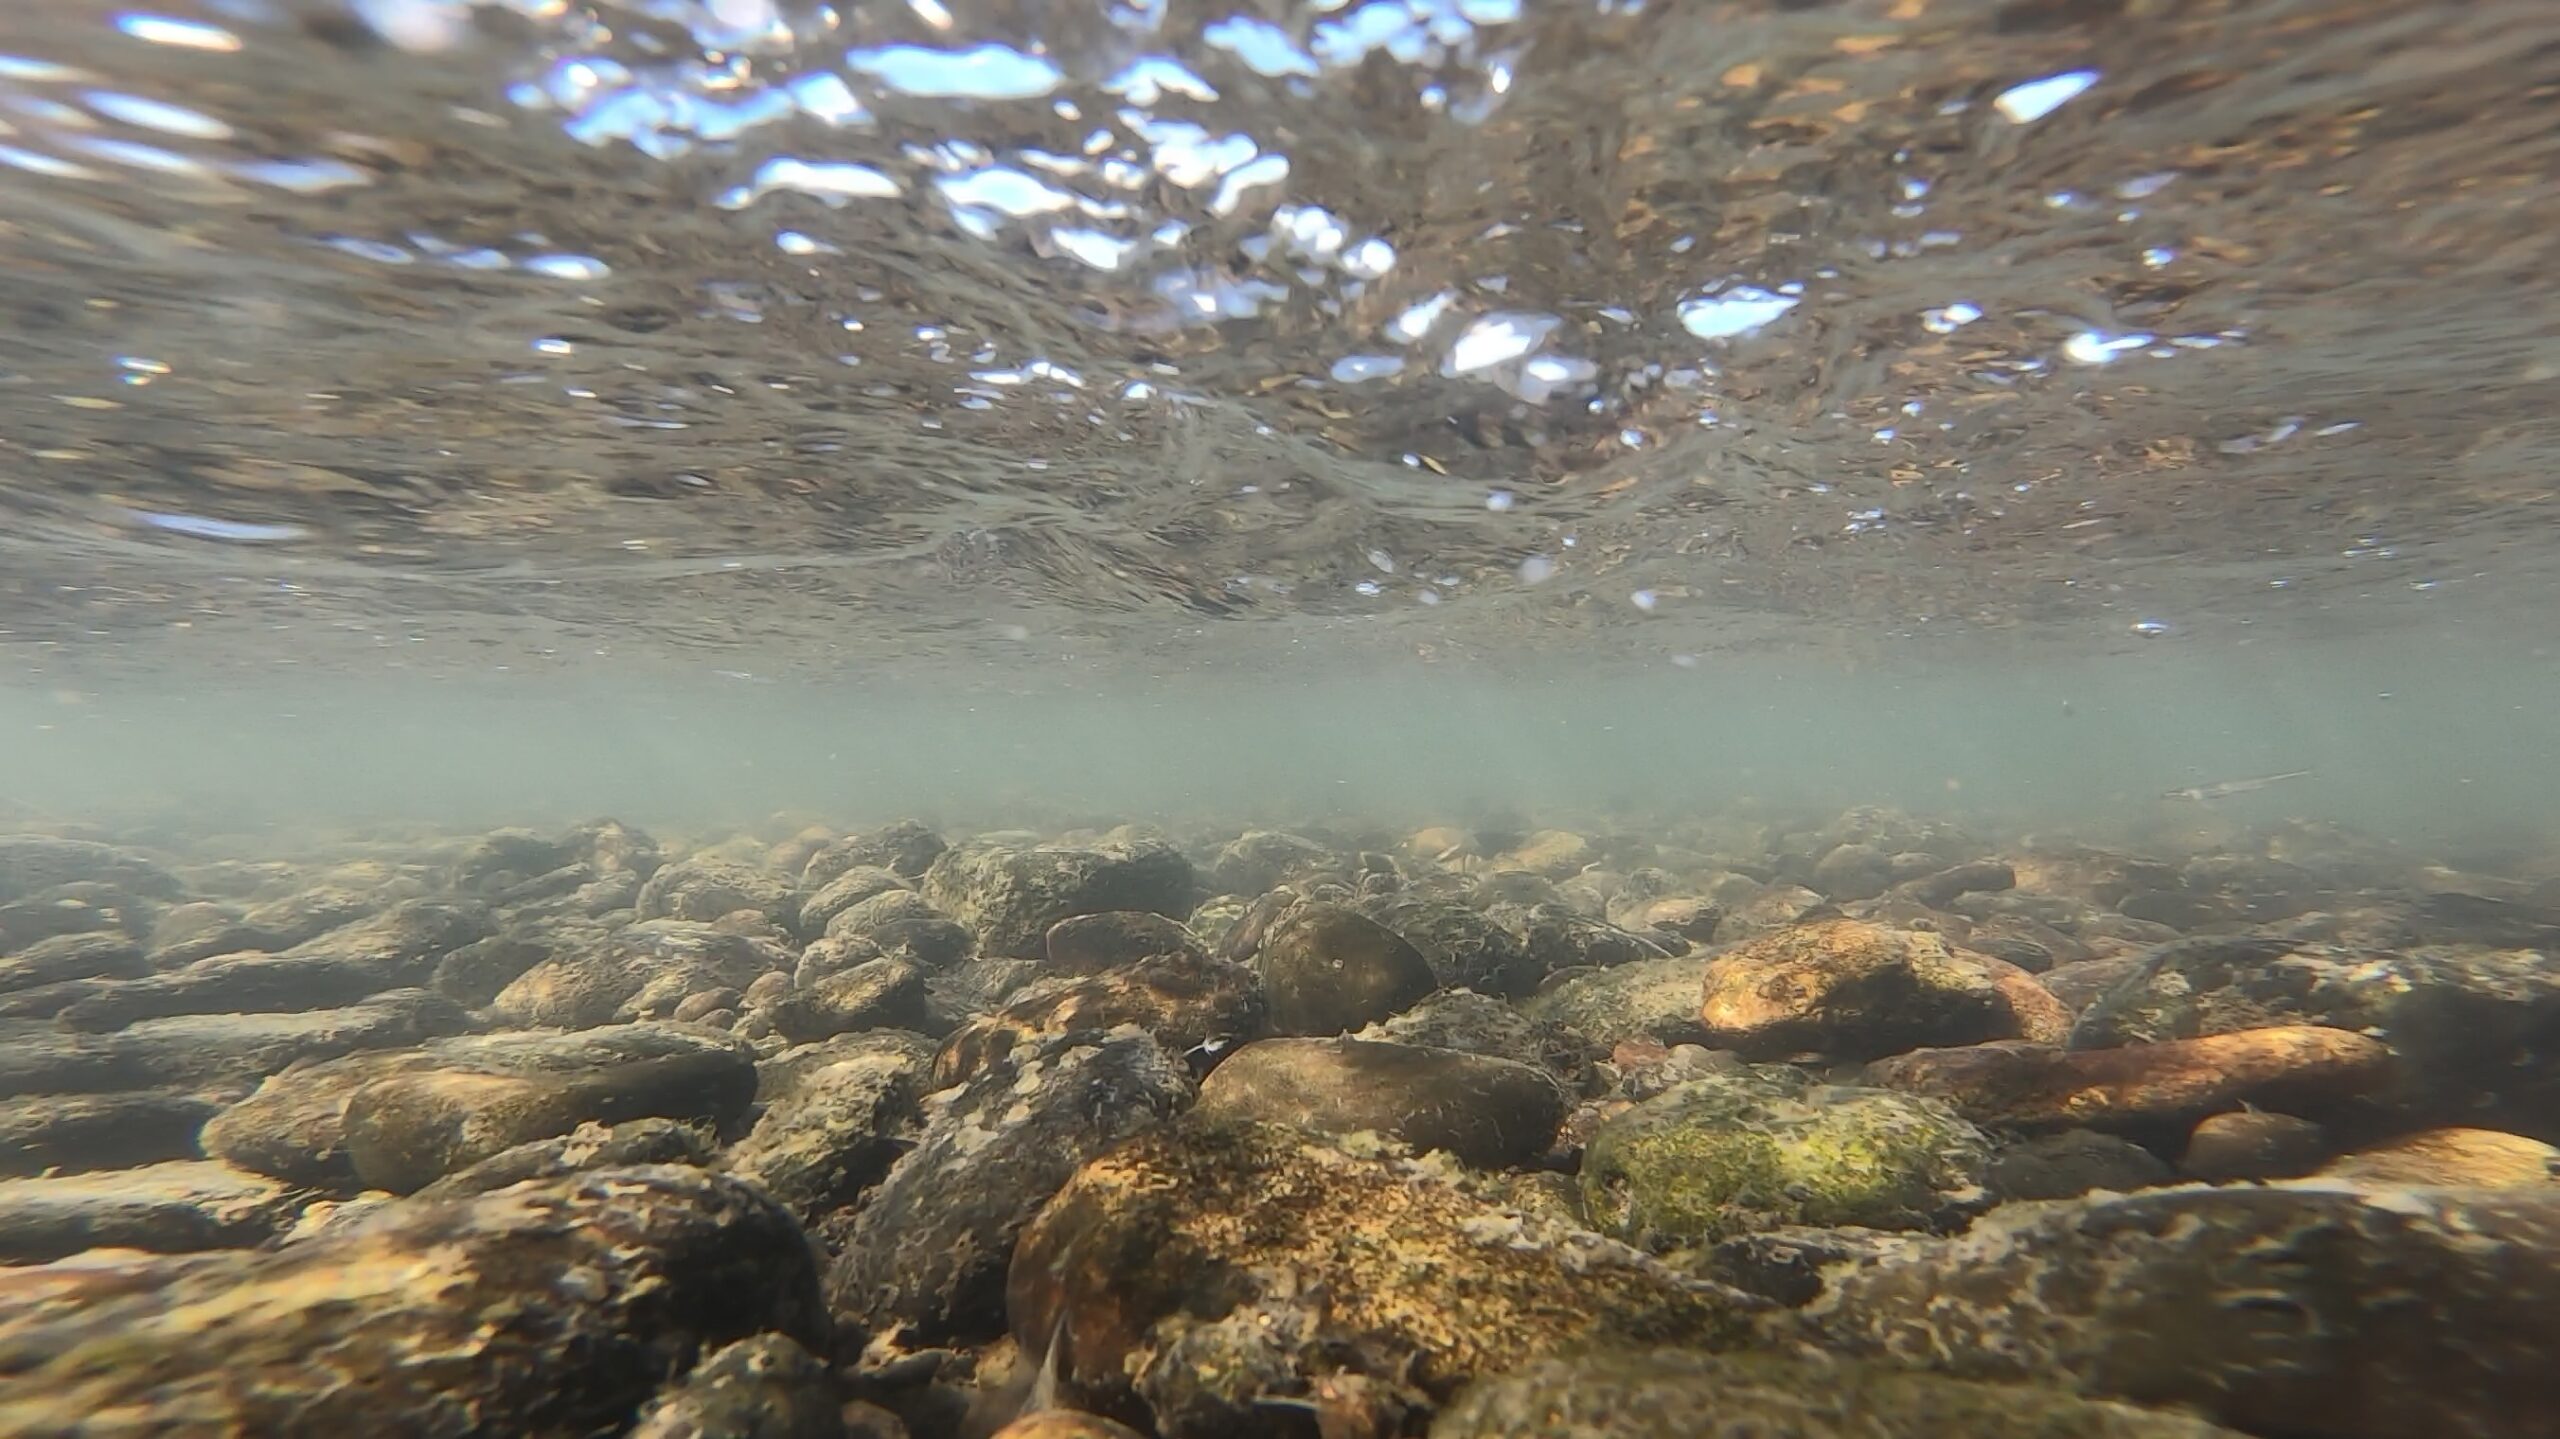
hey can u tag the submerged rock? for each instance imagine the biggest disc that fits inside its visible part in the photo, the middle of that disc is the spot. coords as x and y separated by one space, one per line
73 1132
217 1049
1092 943
1327 969
1182 1000
175 1208
33 862
767 1387
550 1310
404 1119
906 848
1010 896
641 971
1652 1000
1465 947
702 889
70 957
2452 1158
1485 1112
1480 1024
2256 1306
2253 1144
1205 1279
926 1256
842 1122
1679 1394
2144 1087
876 994
2072 1163
589 1146
1853 990
1765 1147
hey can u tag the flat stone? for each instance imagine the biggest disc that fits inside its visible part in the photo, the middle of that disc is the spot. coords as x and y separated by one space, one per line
175 1208
403 1119
217 1049
2144 1087
2451 1158
548 1310
1652 999
71 1132
1092 943
1678 1394
765 1387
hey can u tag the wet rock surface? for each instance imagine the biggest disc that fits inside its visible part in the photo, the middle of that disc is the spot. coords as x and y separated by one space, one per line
1343 1131
1484 1111
547 1309
400 1120
1761 1148
1675 1394
928 1252
2253 1305
1203 1271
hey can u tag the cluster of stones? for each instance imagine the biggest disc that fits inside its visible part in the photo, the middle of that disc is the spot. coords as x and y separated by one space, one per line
1863 1128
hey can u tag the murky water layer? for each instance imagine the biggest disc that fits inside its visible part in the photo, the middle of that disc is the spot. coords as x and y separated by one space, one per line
498 331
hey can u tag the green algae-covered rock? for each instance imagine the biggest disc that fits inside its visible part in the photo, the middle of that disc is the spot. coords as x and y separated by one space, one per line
1763 1147
1676 1394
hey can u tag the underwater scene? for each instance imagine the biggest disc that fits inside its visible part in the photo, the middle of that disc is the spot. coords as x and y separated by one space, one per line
1280 719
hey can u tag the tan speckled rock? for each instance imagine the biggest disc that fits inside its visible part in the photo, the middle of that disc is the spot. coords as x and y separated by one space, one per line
174 1208
1673 1394
547 1311
2454 1158
2256 1305
1181 999
1484 1111
1848 989
1204 1269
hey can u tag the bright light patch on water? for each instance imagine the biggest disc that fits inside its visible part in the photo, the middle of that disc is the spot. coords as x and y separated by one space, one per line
1498 338
1948 319
1354 369
981 72
2091 348
2025 104
302 177
1253 175
1737 311
39 164
834 183
139 157
182 34
206 528
157 115
1150 78
1417 320
567 267
1094 249
1265 48
1536 569
824 96
26 68
1010 191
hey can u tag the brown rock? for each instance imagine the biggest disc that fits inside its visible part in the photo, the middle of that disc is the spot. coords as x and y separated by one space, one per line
1091 943
1484 1111
2253 1144
1849 989
2453 1158
1327 969
1182 1001
2034 1086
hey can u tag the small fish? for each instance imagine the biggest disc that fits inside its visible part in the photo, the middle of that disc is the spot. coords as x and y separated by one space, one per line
2224 789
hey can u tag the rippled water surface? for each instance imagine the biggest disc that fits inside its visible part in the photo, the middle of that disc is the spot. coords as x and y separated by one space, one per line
774 336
